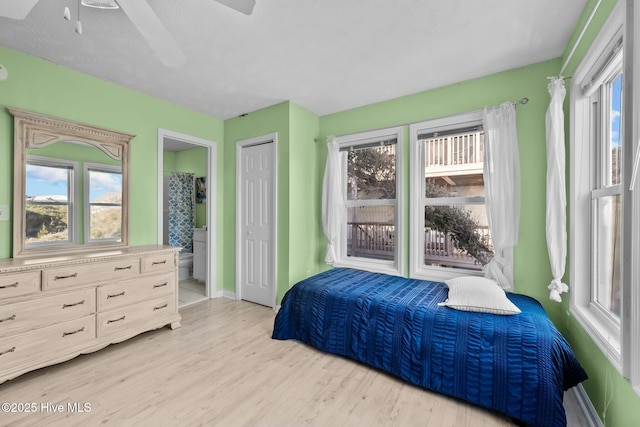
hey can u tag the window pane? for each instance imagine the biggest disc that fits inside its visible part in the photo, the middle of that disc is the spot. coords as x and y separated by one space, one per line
457 236
47 204
615 160
371 232
105 192
607 252
371 173
106 222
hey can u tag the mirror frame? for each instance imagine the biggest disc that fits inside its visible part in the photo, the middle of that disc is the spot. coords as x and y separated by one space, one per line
33 130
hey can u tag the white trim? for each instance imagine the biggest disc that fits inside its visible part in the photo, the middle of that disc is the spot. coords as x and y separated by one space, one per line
585 406
380 266
272 139
228 294
212 192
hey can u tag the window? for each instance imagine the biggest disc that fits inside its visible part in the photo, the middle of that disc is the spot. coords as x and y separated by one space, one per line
596 191
50 200
371 170
103 202
449 227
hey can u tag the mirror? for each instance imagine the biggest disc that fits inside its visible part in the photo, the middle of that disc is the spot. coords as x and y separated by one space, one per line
70 186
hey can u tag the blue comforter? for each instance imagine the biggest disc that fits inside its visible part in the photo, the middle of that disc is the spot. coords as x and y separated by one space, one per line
519 365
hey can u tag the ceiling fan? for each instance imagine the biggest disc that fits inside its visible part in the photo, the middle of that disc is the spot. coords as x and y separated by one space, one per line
142 16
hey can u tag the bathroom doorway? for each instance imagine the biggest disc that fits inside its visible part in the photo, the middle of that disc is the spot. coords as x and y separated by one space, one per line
186 210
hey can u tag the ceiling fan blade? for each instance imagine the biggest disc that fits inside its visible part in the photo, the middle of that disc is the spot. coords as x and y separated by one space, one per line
16 9
243 6
153 31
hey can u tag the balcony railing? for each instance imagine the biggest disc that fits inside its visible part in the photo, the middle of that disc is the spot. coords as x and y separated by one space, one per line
460 153
377 241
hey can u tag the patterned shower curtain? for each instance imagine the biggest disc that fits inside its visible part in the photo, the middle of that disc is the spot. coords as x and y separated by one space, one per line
182 210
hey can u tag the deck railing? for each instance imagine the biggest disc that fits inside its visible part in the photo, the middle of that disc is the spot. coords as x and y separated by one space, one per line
377 240
460 152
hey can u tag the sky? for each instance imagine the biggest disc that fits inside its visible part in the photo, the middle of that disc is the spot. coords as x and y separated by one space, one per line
52 181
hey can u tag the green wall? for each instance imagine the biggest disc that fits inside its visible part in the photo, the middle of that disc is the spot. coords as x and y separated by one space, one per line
298 189
194 160
41 86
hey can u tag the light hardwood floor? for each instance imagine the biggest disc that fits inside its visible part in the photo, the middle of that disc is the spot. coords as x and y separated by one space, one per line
222 368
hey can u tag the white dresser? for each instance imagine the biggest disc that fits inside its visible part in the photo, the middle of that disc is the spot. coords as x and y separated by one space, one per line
53 309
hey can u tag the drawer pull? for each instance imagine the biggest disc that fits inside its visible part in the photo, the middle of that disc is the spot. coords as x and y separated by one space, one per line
116 295
160 307
11 350
158 262
66 277
160 285
116 320
72 305
8 318
64 334
123 268
13 285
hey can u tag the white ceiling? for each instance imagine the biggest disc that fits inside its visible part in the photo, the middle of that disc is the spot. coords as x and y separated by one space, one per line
325 55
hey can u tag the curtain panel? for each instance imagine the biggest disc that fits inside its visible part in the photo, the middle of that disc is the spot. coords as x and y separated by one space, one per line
502 186
556 189
182 211
332 201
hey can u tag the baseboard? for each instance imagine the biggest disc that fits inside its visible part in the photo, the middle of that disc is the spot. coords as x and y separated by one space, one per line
229 294
585 405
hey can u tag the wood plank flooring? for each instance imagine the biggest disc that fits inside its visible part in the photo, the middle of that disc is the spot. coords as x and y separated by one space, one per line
223 369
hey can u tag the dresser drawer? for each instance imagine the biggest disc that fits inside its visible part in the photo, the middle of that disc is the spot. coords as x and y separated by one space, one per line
40 312
50 341
134 316
159 262
16 284
126 293
86 274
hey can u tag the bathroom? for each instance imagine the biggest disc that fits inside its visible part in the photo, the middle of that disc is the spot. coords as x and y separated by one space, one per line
184 215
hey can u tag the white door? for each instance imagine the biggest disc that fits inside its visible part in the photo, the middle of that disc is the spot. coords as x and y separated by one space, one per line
257 224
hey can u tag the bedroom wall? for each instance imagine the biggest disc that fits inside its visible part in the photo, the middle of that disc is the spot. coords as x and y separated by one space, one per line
41 86
532 271
194 160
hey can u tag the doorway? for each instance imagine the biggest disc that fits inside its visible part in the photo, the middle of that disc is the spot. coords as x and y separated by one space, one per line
189 162
256 176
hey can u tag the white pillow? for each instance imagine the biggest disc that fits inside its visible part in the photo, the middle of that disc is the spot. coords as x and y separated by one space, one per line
478 294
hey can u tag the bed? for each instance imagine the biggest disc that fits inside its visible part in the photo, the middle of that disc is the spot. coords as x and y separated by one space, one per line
519 365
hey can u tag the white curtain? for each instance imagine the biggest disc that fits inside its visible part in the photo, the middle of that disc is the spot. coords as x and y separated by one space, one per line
502 186
556 193
332 200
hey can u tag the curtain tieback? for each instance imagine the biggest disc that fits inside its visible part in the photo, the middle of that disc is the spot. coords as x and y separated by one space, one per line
557 287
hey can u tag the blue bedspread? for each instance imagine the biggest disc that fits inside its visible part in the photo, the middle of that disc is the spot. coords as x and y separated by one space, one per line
519 365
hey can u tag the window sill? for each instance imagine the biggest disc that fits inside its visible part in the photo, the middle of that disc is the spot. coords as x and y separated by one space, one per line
606 337
440 274
373 266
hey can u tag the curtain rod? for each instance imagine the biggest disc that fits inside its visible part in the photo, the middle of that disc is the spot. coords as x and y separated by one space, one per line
521 101
579 39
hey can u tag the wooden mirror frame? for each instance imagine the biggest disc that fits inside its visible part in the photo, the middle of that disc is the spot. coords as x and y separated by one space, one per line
33 130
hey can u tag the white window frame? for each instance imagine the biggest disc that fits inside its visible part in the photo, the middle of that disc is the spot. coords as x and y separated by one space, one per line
381 266
72 225
417 267
96 167
603 329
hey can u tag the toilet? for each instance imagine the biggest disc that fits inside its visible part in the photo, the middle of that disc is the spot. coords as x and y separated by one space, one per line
185 266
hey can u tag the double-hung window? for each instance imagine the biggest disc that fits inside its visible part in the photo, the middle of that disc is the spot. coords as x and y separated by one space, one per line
103 202
449 227
51 194
596 227
371 175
